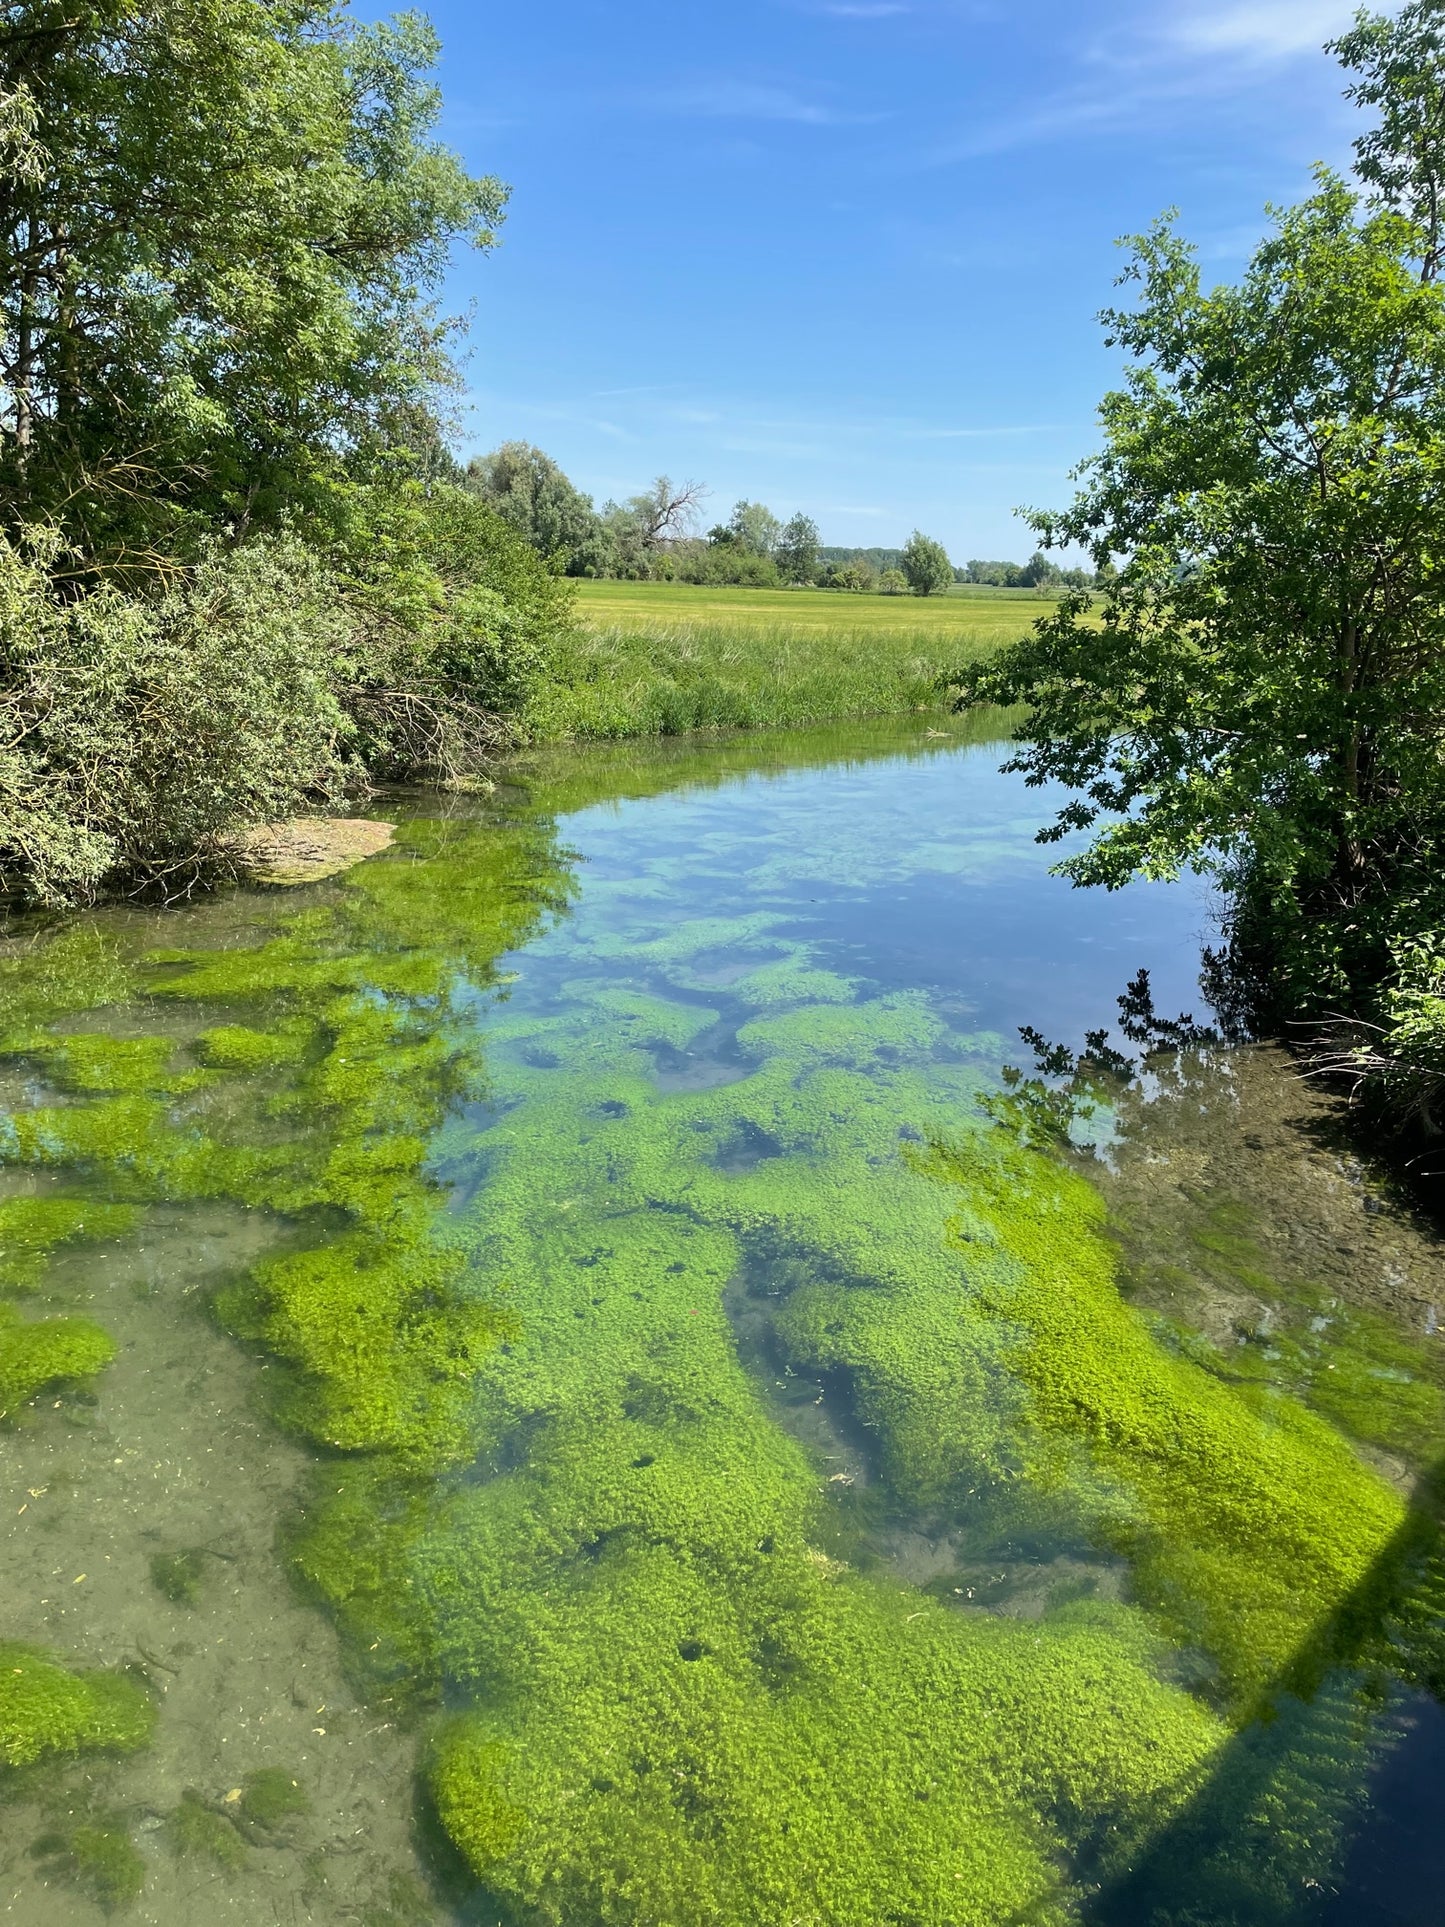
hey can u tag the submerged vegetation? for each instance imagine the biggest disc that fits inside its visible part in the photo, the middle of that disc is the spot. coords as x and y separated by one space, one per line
47 1709
667 1671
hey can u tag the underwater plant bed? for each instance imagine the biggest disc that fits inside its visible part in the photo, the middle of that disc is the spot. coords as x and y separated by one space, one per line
560 1320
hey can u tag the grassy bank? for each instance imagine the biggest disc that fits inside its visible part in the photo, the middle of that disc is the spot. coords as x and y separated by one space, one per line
657 658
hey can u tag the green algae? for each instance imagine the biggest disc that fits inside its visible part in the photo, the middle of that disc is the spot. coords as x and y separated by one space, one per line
45 1709
1246 1518
195 1830
38 1355
32 1228
270 1797
177 1575
92 1061
239 1047
1353 1366
98 1857
680 1705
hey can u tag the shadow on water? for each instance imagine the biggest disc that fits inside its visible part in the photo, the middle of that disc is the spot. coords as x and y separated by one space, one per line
1305 1819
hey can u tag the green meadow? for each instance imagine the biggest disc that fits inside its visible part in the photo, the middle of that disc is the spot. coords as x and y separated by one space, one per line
659 658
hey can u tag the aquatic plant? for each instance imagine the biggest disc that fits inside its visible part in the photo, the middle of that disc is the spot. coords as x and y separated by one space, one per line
31 1228
36 1354
97 1856
196 1830
47 1709
177 1575
1246 1519
682 1686
270 1797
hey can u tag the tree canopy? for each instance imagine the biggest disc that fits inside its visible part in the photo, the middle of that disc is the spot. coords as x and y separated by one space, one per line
218 225
1266 690
530 492
797 551
237 572
926 565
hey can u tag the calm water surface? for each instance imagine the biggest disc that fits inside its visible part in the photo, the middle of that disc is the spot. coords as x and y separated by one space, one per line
633 1400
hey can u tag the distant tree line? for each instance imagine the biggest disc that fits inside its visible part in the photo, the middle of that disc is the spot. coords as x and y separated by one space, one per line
1037 573
655 536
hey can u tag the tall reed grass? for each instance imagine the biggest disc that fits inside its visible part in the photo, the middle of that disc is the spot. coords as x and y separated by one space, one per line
665 679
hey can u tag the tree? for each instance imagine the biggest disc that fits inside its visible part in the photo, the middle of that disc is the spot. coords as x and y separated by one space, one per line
755 527
892 582
636 530
529 491
1266 691
796 553
217 224
1039 572
856 576
997 575
926 565
666 510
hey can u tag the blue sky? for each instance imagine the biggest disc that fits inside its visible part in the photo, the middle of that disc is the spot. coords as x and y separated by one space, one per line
845 255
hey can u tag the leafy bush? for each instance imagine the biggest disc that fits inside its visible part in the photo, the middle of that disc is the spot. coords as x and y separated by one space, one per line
455 621
723 563
135 733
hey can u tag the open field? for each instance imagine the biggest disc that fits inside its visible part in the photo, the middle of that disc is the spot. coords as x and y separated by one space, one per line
658 658
993 615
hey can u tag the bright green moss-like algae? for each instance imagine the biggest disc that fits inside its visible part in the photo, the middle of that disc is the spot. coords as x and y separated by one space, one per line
568 1512
45 1709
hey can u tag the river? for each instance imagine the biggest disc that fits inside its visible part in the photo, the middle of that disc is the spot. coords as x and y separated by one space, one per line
599 1380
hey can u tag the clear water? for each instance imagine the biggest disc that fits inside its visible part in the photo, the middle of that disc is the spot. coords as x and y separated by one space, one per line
612 1411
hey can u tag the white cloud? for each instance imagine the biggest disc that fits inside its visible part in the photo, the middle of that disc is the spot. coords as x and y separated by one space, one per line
1147 66
1258 30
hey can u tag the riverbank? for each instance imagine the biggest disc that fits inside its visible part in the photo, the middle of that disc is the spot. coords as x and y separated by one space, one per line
662 658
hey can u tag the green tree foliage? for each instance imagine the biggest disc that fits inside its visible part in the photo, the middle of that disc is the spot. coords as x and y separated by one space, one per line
639 528
1040 573
215 229
237 567
453 618
720 560
530 492
856 577
997 575
876 558
755 528
926 565
892 582
797 549
134 733
1266 689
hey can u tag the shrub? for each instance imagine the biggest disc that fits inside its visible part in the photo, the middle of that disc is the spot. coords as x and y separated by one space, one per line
135 733
455 621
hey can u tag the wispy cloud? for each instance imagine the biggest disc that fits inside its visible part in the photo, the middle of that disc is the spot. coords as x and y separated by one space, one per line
1259 30
1144 67
744 100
